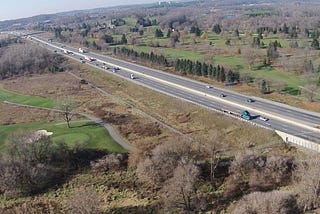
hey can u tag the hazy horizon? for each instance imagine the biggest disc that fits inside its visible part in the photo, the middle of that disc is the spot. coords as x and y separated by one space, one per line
16 9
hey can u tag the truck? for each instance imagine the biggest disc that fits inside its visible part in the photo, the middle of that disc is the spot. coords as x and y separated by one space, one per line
82 50
244 114
66 52
90 59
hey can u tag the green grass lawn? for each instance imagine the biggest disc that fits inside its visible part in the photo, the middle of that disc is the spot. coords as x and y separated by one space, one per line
172 53
270 73
25 99
231 61
83 134
216 39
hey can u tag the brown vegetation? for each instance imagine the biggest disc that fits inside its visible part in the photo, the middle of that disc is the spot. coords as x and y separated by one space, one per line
275 202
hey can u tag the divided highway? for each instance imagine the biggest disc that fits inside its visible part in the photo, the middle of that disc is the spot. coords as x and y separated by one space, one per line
298 122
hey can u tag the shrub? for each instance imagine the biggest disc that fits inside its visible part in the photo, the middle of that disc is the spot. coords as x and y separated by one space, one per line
275 202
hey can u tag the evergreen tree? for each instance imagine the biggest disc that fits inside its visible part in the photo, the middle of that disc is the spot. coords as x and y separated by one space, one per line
214 73
123 39
218 74
197 68
210 71
263 86
204 69
315 44
285 28
158 33
222 75
256 42
217 29
230 76
236 32
169 33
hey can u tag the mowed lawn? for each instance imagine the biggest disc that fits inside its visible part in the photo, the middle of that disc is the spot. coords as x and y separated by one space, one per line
25 99
82 134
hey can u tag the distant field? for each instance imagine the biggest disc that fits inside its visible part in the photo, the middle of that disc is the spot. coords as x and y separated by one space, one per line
184 50
25 99
83 134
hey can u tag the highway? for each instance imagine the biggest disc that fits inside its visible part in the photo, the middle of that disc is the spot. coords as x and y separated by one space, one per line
298 122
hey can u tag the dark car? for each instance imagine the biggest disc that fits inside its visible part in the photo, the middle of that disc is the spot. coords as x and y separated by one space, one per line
250 100
222 95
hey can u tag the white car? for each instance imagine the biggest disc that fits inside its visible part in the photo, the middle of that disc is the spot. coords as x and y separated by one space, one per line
132 76
263 118
209 86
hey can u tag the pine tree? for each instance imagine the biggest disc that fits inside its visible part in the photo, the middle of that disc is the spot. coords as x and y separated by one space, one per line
230 76
204 69
158 33
123 39
222 75
315 44
217 29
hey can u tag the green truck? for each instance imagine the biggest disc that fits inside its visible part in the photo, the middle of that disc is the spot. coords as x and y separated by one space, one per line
246 115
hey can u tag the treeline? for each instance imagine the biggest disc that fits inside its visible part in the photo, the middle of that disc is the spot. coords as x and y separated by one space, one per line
184 66
154 58
24 59
187 183
7 41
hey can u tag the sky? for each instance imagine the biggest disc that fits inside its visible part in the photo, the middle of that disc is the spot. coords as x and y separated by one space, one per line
14 9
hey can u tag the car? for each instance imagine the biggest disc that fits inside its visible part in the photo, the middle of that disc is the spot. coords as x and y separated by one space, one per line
209 86
263 118
116 68
250 100
132 76
222 95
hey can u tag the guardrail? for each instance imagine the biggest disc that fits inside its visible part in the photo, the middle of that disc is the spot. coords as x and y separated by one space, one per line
299 141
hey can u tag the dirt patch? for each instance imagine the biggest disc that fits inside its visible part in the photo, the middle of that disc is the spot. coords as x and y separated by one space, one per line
141 129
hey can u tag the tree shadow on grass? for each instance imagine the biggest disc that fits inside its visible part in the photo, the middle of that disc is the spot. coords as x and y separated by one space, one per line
92 124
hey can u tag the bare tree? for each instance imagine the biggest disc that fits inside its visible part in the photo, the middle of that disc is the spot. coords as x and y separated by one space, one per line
251 55
254 172
307 177
213 147
31 147
180 189
160 164
246 78
275 202
66 107
310 91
